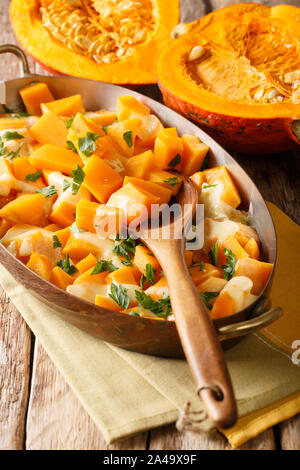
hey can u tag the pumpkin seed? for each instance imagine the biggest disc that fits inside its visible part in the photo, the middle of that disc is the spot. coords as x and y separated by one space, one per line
179 30
259 94
290 77
196 53
271 94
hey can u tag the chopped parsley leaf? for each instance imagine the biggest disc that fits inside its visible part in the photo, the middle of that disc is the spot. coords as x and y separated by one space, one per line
87 144
176 160
56 242
33 176
66 266
48 191
213 254
103 265
127 136
118 294
229 267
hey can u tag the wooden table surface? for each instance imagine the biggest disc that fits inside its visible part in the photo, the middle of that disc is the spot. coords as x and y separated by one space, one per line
37 408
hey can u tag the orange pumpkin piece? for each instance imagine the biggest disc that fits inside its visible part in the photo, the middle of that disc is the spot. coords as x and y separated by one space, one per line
224 306
27 209
52 157
124 133
79 248
220 175
63 235
134 201
200 275
129 107
63 215
142 257
230 243
35 94
164 194
22 168
52 228
60 278
65 106
10 123
159 289
168 149
107 303
89 277
103 117
194 152
100 179
140 165
50 129
126 275
252 249
86 263
166 179
85 214
147 132
40 264
82 124
258 271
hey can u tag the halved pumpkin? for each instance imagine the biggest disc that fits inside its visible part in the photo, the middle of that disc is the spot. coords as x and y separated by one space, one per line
236 72
116 42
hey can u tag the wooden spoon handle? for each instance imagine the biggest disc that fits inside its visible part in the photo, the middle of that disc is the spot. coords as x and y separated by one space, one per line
197 333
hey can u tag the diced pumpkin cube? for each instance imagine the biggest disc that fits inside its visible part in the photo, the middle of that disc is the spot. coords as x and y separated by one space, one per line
103 117
85 215
65 106
168 149
140 165
10 123
142 257
148 131
166 179
258 271
159 289
88 276
100 179
235 296
82 124
35 94
124 133
63 235
194 152
60 278
164 194
41 265
252 249
86 263
199 274
230 243
212 284
221 175
135 202
52 228
126 275
80 247
107 303
24 171
52 157
63 215
198 180
50 129
27 209
129 107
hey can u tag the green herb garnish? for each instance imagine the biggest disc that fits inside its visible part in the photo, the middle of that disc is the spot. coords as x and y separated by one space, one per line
71 146
12 135
48 191
207 296
78 177
69 122
172 181
66 185
176 160
14 154
150 273
213 254
161 308
3 149
87 144
66 266
229 267
118 294
200 265
6 109
19 115
56 242
209 186
127 136
33 176
124 249
103 266
205 162
75 229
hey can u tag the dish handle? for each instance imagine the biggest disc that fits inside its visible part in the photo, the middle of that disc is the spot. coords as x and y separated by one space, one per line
17 51
249 326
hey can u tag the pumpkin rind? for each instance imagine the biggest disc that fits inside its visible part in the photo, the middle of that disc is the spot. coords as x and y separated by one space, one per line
137 68
237 124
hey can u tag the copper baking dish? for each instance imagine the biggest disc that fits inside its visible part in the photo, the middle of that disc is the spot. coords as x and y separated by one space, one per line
129 332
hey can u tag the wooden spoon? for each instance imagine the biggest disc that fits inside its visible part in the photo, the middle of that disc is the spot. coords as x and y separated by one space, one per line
197 333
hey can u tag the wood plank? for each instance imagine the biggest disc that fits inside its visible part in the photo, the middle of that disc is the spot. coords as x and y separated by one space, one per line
290 433
15 339
56 420
168 438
